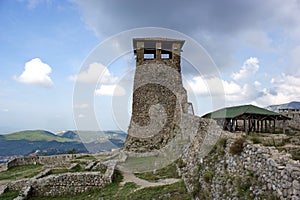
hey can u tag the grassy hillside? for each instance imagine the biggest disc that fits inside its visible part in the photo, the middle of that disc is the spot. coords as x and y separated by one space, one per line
47 143
35 135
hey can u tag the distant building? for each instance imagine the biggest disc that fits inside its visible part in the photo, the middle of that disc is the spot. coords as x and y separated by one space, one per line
247 118
293 125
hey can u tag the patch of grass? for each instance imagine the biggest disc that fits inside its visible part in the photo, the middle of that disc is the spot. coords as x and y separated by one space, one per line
255 139
208 176
9 195
237 146
127 189
78 168
296 156
175 191
180 163
163 173
19 172
219 147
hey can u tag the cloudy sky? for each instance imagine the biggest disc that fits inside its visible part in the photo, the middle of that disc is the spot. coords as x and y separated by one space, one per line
254 44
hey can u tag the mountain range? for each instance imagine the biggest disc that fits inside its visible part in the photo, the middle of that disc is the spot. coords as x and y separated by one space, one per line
292 105
44 142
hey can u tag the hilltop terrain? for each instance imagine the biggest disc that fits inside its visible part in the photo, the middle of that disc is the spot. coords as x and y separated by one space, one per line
292 105
46 143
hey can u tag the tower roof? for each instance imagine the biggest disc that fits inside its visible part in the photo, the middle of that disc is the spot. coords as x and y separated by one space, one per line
150 42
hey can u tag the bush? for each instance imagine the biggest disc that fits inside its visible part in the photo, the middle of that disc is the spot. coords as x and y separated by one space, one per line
208 176
255 140
237 146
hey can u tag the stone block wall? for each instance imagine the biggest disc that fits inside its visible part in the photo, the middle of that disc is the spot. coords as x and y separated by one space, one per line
69 183
56 160
257 172
65 183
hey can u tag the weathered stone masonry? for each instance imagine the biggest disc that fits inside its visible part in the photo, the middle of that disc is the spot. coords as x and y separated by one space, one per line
223 176
60 184
157 86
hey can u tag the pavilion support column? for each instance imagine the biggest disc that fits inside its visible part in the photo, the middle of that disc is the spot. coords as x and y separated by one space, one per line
245 125
274 126
266 127
257 126
283 126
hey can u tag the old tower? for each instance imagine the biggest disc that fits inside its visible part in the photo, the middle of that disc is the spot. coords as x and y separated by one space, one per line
159 98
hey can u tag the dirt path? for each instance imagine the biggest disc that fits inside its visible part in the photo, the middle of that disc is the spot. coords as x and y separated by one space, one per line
130 177
3 185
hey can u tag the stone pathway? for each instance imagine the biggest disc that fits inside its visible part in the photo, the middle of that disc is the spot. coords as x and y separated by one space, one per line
130 177
2 186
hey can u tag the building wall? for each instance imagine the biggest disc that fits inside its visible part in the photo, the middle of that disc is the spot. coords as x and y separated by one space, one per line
293 125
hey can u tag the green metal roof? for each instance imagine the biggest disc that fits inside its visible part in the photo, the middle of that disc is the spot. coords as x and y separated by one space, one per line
236 111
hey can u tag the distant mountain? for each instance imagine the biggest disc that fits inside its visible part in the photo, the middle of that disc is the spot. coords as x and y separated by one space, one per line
35 135
69 134
292 105
47 143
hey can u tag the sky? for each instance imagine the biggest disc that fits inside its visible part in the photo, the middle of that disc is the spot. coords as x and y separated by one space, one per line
45 45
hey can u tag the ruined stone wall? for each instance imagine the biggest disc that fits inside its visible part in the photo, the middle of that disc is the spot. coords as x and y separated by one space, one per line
65 183
291 126
56 160
3 167
69 183
257 172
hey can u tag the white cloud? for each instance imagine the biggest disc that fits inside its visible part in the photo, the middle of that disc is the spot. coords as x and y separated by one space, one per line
257 83
81 106
233 92
284 89
211 85
81 116
93 73
249 68
5 110
37 73
110 90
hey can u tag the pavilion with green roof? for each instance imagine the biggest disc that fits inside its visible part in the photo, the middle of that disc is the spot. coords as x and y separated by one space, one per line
247 118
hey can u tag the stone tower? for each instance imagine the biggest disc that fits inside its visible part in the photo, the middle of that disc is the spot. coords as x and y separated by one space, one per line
159 98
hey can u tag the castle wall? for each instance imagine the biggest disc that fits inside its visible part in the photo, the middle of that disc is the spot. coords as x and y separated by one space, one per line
256 172
69 183
65 183
43 160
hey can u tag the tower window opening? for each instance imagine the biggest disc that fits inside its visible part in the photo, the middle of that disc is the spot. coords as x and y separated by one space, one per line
165 56
149 56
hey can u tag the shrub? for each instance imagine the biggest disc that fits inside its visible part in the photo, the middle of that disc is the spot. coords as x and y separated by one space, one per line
208 176
237 146
255 140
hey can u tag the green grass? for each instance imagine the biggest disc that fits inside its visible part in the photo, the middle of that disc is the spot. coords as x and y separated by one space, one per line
296 156
34 135
9 195
19 172
237 146
78 168
163 173
114 191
